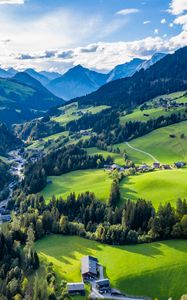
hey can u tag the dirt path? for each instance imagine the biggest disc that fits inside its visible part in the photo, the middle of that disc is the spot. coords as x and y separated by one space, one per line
141 151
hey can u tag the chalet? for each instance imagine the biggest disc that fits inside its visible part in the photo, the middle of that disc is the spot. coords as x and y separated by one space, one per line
156 165
76 288
89 266
166 167
103 286
143 167
179 164
116 167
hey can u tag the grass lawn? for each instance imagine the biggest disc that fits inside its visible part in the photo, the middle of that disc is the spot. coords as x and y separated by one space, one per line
157 270
158 187
118 159
97 181
160 144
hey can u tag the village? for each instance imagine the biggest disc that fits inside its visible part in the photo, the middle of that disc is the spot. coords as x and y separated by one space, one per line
93 273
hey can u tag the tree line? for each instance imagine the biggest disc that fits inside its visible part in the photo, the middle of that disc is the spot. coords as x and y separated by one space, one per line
61 161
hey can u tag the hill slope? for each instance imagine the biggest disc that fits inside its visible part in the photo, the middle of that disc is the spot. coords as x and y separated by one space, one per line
23 77
20 102
166 76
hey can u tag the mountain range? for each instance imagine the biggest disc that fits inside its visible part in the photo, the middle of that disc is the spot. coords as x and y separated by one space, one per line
80 81
166 76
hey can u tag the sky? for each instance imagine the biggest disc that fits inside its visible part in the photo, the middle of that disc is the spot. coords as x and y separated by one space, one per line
56 35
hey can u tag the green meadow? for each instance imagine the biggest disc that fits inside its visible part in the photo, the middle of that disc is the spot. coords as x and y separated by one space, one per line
73 113
147 114
160 144
118 159
158 187
96 181
157 270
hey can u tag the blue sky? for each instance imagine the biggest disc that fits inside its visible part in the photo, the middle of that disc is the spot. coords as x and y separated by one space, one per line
58 34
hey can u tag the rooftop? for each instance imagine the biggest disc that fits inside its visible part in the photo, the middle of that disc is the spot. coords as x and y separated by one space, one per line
75 287
89 265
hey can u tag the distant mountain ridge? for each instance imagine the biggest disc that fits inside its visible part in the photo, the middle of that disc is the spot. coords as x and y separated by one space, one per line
80 81
25 78
125 70
166 76
77 81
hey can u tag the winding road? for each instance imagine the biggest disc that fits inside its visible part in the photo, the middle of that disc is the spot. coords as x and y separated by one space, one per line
141 151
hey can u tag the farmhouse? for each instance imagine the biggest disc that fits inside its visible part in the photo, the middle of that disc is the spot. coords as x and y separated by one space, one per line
89 267
103 286
166 167
76 288
179 164
143 167
114 167
156 165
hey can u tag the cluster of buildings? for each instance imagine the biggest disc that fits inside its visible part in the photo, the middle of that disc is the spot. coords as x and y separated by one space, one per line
91 274
157 165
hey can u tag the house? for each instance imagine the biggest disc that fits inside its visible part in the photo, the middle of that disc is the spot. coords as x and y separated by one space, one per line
76 288
116 167
156 165
103 286
166 167
143 167
89 266
179 164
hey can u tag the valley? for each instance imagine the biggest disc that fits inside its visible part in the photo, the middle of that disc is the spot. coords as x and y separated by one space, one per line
102 175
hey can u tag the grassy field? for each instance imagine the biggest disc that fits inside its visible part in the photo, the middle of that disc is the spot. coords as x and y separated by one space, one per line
97 181
160 144
151 113
118 159
71 112
157 270
158 186
56 136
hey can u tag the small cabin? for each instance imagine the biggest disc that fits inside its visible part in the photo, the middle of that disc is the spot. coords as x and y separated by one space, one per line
103 286
76 288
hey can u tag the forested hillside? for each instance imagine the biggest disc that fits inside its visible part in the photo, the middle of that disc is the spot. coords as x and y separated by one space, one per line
8 141
166 76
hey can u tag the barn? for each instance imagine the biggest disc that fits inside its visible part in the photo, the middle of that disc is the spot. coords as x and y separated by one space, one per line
89 266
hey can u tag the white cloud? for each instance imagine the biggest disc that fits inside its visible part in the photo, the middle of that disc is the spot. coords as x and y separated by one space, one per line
163 21
146 22
12 2
101 56
128 11
181 20
171 25
178 6
156 31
